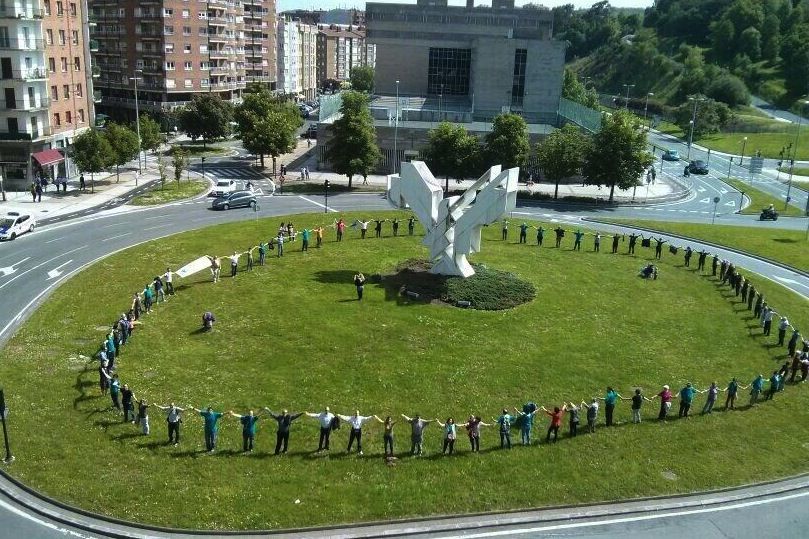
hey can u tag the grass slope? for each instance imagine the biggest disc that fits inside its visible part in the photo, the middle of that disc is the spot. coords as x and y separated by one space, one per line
170 192
291 335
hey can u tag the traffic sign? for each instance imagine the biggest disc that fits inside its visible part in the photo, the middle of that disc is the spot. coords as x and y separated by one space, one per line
716 200
756 164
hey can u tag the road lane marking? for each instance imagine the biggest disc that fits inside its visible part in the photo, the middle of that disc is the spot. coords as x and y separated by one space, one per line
29 270
116 237
307 199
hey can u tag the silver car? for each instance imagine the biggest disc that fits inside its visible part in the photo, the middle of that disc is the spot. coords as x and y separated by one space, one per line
236 199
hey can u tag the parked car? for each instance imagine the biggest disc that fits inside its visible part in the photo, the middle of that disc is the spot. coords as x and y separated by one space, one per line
15 224
671 155
236 199
698 167
768 214
311 132
223 187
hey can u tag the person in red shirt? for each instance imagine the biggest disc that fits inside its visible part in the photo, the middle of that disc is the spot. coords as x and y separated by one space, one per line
556 422
665 397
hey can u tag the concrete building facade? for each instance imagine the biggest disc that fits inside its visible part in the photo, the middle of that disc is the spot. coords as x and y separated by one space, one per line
500 59
47 83
180 48
339 48
297 51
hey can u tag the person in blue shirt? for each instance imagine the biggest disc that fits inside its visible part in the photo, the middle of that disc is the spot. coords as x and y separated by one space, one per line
211 426
540 235
577 240
248 422
526 423
755 389
523 233
686 398
609 404
505 429
775 381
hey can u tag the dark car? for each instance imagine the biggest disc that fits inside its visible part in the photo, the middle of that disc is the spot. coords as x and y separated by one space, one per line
768 214
311 132
698 167
671 155
236 199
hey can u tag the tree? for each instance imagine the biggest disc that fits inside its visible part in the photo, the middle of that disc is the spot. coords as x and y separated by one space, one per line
362 78
267 125
728 89
92 153
507 143
179 160
124 144
723 37
353 149
561 154
617 155
574 90
750 43
451 152
711 117
771 38
161 170
150 136
795 55
207 117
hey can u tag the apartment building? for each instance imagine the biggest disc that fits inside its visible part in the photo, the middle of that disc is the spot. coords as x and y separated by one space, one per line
47 82
175 49
339 48
297 50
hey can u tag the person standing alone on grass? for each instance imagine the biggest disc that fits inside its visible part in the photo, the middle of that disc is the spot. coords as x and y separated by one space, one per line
173 419
505 429
211 426
284 420
359 283
248 422
504 232
326 420
417 426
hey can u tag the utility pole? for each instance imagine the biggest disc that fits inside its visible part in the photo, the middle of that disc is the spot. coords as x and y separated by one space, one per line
137 120
3 413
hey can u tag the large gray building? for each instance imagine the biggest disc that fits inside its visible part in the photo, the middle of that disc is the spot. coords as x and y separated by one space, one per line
494 59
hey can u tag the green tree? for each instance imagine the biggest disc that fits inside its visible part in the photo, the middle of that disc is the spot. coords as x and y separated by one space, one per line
711 117
150 136
92 153
561 154
179 160
161 170
728 89
362 79
771 38
507 142
574 90
723 38
267 125
207 117
618 154
746 13
124 144
451 152
749 43
795 55
353 149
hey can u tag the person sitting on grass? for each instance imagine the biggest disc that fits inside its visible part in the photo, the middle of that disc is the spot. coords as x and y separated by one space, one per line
207 320
650 271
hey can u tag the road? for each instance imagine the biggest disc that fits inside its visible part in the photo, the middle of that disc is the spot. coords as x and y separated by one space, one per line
33 265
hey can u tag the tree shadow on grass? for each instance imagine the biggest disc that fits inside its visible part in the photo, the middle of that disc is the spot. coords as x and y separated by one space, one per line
335 276
785 240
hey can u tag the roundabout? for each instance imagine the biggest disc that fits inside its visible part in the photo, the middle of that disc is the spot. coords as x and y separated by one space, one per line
290 335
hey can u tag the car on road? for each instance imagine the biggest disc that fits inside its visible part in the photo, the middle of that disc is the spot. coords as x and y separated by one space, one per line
222 188
14 224
311 132
236 199
768 214
671 155
698 167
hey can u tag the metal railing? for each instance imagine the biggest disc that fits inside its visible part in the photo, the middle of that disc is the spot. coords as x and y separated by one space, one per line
26 135
29 74
25 104
22 44
20 12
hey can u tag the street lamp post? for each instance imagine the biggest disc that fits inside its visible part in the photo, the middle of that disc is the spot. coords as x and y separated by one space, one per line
396 131
730 161
137 119
628 87
326 187
3 412
692 123
795 156
203 166
646 109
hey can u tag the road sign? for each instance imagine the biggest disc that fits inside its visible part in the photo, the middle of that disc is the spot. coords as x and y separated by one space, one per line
756 164
716 200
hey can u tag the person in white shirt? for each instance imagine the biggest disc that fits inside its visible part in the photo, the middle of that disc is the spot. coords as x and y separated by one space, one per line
234 263
325 419
168 278
173 419
356 422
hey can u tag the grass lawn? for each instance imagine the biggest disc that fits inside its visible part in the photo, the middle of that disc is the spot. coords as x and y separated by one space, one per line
787 246
759 199
197 149
170 192
291 335
768 143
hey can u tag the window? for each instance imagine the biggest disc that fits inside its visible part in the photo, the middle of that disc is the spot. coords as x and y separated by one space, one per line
68 117
54 93
186 30
81 116
61 37
169 47
52 65
73 12
49 36
168 12
60 9
47 5
168 30
203 66
79 91
57 119
169 83
188 83
448 71
75 37
188 66
66 91
203 49
187 48
63 61
518 82
76 63
169 66
186 13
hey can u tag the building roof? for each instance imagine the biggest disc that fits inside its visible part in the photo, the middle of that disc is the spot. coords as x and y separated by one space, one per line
337 30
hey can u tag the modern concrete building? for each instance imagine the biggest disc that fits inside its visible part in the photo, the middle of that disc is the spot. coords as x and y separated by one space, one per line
297 51
179 48
47 80
339 48
495 59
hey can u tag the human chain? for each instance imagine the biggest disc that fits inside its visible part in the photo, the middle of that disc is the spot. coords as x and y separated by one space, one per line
161 288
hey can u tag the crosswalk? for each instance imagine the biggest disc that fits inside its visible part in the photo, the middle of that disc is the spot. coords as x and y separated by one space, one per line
242 175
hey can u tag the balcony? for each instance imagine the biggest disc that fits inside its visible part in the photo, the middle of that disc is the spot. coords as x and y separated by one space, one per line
97 97
25 104
93 45
96 72
217 21
220 69
20 12
220 54
21 44
149 15
26 135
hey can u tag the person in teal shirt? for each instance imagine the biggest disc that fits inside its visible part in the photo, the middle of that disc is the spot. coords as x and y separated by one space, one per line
305 233
147 298
755 388
211 426
775 381
577 243
609 404
686 398
505 428
526 419
540 235
523 232
248 422
262 253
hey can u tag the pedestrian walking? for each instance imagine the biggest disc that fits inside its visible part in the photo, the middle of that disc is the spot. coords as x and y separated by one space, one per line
82 185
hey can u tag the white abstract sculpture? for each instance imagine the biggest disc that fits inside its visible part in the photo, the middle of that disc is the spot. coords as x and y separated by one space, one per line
453 224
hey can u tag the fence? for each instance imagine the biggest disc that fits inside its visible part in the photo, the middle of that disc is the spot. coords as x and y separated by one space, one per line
580 115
